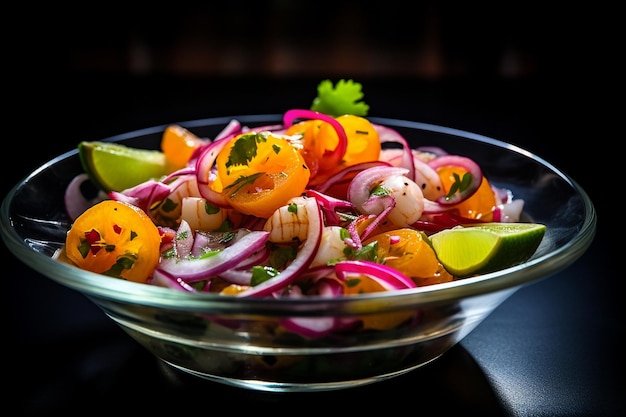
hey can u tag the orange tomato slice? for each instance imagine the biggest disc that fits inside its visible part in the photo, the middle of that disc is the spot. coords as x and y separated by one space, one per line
260 172
178 144
320 137
311 151
408 251
115 239
480 205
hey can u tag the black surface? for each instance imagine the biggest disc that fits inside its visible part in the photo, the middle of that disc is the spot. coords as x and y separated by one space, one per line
552 349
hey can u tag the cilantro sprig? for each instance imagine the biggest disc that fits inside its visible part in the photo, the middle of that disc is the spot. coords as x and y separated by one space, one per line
244 150
344 98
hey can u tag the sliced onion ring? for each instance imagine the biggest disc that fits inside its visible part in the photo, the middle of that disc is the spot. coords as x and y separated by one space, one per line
389 278
197 269
342 144
204 166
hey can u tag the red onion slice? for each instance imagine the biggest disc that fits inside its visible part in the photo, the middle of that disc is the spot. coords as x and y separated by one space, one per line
389 278
206 176
197 269
389 135
345 175
232 128
163 279
183 243
342 144
144 195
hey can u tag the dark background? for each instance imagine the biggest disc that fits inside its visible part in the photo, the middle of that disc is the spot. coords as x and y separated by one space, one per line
546 74
541 77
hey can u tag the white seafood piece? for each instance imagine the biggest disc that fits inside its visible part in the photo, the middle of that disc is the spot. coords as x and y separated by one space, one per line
202 215
408 197
331 247
288 223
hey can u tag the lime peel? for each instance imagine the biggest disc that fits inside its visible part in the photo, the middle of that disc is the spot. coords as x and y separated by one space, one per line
486 247
116 167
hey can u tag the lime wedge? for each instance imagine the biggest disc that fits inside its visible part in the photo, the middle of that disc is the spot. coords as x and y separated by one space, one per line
486 247
116 167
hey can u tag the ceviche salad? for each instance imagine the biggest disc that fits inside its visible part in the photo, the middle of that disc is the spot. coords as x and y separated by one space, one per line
326 204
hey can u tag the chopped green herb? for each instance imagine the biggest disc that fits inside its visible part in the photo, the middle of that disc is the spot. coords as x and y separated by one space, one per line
210 208
459 184
244 149
169 253
353 282
242 182
367 252
281 256
261 274
123 262
379 191
344 98
228 236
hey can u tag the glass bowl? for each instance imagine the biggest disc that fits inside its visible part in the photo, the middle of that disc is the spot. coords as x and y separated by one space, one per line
237 341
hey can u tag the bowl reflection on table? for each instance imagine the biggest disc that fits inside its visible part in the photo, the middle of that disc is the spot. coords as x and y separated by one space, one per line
240 341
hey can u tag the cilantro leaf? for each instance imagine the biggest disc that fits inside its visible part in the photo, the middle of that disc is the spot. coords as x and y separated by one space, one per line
459 185
242 182
344 98
244 150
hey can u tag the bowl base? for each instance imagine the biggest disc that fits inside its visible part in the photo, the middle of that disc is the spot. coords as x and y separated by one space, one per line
275 386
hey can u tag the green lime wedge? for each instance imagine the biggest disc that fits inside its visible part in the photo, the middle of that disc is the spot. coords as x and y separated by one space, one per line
486 247
116 167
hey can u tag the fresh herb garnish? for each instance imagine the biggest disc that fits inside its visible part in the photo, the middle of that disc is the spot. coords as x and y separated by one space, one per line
261 274
344 98
244 149
379 191
459 184
242 182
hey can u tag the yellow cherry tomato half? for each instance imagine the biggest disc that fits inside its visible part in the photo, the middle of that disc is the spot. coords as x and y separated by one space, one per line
409 251
178 144
260 172
363 141
480 205
311 152
114 239
320 139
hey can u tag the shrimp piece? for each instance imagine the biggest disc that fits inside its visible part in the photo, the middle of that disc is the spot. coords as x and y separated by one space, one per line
331 247
409 200
424 175
288 223
202 215
427 178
